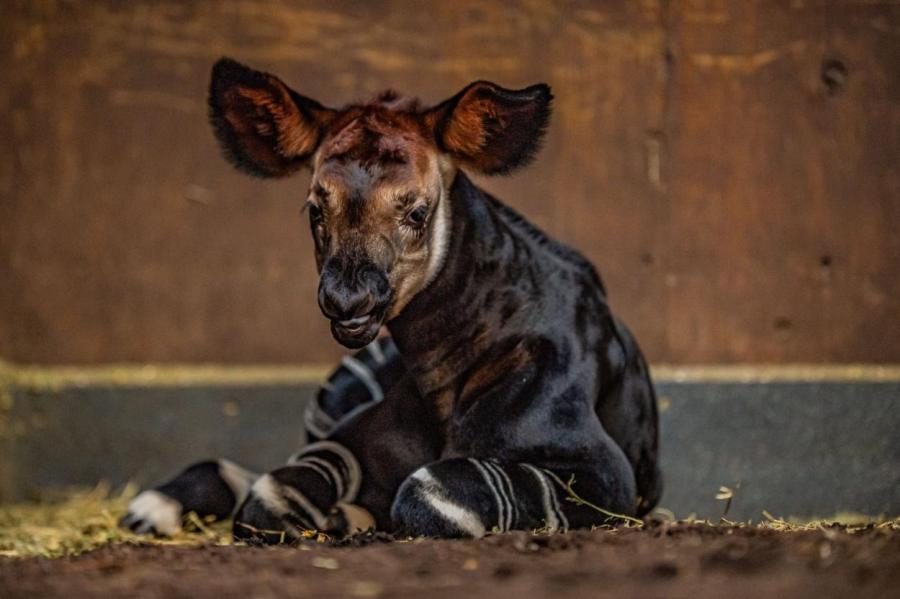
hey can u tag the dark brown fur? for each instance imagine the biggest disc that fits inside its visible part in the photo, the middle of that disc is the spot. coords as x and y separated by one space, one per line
510 354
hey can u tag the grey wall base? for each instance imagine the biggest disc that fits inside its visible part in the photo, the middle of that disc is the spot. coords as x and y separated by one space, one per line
794 449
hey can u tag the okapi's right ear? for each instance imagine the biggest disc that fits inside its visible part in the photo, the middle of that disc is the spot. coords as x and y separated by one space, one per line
264 127
492 129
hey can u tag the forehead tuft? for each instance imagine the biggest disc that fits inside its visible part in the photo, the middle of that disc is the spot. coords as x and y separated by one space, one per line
384 132
395 101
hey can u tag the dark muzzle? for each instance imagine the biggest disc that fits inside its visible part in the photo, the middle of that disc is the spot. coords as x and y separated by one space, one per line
355 298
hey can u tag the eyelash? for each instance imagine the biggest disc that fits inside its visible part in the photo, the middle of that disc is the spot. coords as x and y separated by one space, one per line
416 225
315 212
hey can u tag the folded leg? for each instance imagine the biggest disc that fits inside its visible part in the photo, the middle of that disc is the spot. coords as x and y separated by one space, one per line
470 497
315 491
210 489
357 384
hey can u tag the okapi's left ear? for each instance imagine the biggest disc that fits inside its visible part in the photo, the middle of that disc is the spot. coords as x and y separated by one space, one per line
265 128
491 129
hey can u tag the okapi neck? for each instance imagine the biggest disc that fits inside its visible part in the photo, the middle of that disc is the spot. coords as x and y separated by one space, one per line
443 328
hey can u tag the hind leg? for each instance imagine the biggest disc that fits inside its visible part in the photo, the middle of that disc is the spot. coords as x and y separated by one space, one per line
628 412
211 488
469 497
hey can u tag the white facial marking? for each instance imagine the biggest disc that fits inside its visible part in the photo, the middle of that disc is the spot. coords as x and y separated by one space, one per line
438 241
157 510
440 235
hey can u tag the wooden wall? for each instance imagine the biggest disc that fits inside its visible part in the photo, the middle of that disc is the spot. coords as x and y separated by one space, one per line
733 168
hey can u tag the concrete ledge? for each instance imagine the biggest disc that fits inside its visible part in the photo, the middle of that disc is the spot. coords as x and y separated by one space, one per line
169 375
797 448
796 440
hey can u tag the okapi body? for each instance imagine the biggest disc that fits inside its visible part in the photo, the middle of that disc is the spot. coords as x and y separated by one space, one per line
506 382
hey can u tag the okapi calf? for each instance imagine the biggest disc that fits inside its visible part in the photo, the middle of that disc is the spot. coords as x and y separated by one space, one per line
505 377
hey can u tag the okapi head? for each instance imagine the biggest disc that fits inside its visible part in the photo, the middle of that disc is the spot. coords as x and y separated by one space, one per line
378 200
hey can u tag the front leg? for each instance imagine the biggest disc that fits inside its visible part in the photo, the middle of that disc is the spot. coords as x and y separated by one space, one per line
462 497
213 488
347 482
314 492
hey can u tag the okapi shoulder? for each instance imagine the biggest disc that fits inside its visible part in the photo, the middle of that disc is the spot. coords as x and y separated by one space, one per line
539 238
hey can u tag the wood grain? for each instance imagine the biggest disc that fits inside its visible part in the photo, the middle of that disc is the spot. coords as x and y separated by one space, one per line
732 169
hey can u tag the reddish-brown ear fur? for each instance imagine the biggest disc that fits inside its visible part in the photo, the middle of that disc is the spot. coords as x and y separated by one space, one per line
264 127
491 129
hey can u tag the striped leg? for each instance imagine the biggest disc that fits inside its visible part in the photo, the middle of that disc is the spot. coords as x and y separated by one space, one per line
359 383
211 488
315 491
470 497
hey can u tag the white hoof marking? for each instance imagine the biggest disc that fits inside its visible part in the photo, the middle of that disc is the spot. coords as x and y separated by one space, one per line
157 510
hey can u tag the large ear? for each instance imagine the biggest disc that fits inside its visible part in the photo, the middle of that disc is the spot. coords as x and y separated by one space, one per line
264 127
491 129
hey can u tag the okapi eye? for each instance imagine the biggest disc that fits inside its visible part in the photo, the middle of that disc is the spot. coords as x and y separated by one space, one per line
320 191
416 218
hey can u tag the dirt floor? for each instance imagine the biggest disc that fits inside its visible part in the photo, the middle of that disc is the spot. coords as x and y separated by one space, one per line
660 560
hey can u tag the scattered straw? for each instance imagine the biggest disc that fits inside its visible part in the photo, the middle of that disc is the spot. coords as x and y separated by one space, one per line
87 520
849 522
579 500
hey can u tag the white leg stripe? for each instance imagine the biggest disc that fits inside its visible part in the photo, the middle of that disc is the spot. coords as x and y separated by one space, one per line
432 492
423 475
502 492
365 374
274 497
326 476
508 493
482 468
354 474
467 520
550 518
316 420
300 499
238 479
326 470
376 353
553 497
268 492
